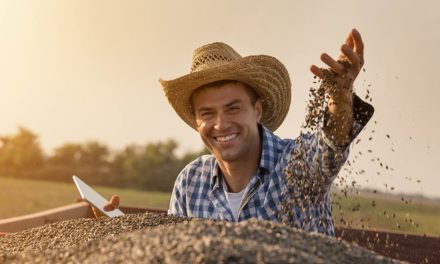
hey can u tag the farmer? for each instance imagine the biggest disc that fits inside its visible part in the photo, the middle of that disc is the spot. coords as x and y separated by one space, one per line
236 103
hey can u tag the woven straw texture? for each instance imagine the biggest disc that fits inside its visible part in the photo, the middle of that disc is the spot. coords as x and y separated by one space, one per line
218 61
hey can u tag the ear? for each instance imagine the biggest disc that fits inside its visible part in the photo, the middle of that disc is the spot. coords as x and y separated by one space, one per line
258 110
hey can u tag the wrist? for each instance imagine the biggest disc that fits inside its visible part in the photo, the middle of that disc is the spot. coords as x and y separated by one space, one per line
340 108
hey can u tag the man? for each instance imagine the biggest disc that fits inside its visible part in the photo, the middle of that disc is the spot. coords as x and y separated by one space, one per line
235 103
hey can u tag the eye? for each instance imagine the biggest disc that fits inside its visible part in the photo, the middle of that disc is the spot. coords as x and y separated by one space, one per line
233 109
206 115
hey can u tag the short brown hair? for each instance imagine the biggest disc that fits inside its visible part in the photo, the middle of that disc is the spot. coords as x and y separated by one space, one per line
217 84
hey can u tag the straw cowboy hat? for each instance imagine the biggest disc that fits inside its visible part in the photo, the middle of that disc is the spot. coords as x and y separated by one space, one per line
218 61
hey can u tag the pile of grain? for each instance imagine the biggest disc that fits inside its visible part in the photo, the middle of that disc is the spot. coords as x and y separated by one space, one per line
70 233
177 240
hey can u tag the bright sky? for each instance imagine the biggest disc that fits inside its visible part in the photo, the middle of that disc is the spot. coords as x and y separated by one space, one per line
88 70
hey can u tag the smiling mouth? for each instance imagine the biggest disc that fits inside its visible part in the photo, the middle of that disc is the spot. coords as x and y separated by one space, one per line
226 138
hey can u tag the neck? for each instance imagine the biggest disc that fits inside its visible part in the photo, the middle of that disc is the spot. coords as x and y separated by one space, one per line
238 173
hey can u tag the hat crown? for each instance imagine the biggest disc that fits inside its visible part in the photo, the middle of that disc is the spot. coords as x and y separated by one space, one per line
212 55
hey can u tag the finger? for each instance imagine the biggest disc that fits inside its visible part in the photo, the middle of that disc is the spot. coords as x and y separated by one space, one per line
115 201
96 212
317 71
349 40
334 65
351 56
358 45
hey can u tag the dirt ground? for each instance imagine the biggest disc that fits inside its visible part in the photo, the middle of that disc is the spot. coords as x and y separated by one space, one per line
411 248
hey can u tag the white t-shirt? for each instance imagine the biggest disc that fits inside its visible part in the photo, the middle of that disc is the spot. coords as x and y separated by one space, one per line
234 200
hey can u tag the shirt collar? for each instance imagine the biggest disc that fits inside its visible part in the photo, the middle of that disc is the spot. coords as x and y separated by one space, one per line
215 174
267 159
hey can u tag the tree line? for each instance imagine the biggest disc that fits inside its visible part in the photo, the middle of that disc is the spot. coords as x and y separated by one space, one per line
152 166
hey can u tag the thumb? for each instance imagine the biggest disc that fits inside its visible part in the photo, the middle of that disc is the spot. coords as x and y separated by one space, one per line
112 204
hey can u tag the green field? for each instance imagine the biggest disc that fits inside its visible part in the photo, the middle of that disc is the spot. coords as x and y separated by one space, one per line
388 213
20 197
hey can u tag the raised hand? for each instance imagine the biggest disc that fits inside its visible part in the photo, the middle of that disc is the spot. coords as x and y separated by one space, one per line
352 51
343 71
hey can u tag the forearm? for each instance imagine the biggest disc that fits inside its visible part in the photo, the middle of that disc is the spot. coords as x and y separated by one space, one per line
339 119
314 164
332 154
327 149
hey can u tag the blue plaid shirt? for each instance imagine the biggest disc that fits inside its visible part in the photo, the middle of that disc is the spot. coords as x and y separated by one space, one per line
198 191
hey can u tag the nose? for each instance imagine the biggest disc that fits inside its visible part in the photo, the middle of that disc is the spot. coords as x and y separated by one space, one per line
222 122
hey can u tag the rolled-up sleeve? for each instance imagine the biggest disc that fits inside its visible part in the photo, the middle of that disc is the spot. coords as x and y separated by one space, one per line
316 160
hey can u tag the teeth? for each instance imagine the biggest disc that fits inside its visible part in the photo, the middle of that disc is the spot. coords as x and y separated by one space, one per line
227 138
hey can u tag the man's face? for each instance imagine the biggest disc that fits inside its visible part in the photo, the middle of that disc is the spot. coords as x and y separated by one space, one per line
227 121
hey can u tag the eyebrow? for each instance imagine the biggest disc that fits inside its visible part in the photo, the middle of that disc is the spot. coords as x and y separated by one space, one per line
227 105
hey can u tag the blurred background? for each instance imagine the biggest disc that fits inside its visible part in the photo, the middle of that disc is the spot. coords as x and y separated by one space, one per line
79 94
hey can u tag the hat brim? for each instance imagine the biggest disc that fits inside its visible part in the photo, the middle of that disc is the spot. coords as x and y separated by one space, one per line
265 74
